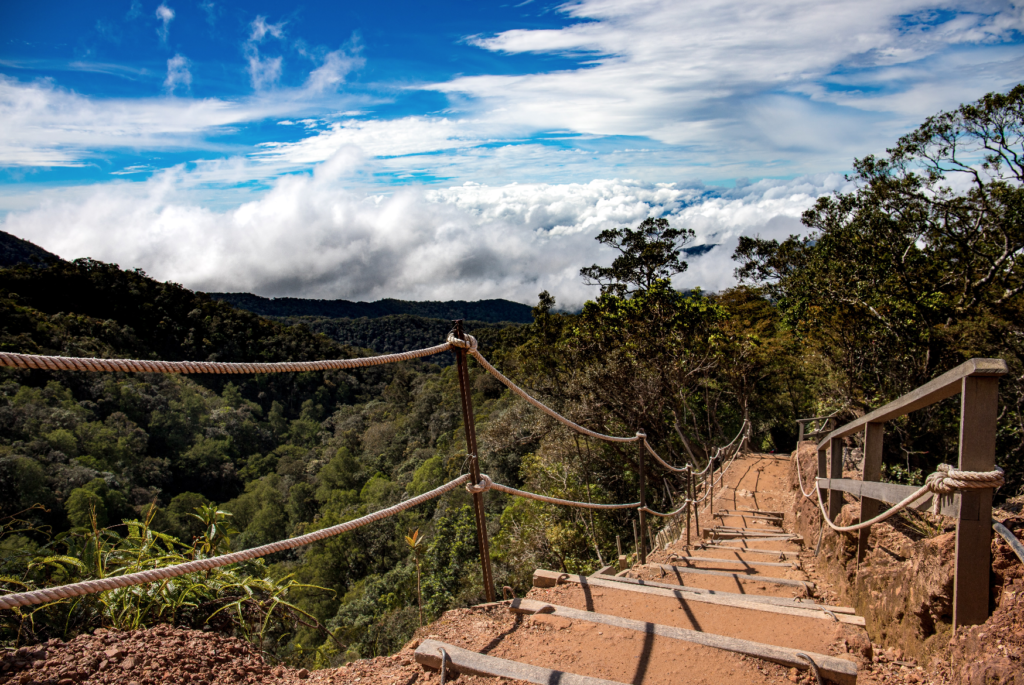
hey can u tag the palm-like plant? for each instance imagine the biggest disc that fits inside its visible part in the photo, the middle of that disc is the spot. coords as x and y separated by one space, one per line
415 542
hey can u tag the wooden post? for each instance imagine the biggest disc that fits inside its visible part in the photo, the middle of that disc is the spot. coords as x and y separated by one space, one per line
643 494
618 544
636 541
978 413
461 362
800 438
872 471
823 473
835 462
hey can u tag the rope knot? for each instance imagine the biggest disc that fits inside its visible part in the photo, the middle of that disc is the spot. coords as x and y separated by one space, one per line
468 344
947 480
483 486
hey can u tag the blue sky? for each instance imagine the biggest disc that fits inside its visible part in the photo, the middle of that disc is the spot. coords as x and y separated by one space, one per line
455 149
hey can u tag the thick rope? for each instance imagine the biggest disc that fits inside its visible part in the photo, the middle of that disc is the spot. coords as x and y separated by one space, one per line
470 345
114 582
486 484
670 514
944 481
681 469
47 363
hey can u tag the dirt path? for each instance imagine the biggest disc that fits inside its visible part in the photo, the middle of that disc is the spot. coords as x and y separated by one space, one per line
593 649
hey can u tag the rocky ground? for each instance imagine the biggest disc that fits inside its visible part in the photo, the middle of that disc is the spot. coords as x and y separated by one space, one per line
166 655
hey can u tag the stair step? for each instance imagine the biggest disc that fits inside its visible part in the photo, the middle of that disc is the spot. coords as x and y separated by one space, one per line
757 599
742 562
755 517
759 512
839 670
761 537
464 661
762 529
737 576
543 579
751 550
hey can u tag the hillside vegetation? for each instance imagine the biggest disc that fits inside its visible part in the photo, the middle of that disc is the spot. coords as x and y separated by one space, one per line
895 283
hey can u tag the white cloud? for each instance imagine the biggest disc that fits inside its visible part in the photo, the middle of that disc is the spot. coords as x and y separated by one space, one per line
211 11
259 29
703 73
332 71
264 72
311 236
165 14
404 136
44 125
178 74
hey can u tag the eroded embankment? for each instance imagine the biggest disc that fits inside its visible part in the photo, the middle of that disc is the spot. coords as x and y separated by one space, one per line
904 587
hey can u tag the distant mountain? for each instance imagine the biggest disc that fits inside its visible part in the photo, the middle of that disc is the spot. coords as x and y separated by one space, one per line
698 250
14 250
487 311
391 333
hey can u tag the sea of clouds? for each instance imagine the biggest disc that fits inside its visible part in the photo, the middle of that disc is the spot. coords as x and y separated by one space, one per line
311 235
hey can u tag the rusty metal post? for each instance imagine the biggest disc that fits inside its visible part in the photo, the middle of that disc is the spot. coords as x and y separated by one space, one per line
461 362
643 494
689 504
711 491
696 508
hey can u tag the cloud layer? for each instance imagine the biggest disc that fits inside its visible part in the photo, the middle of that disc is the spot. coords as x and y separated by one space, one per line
310 236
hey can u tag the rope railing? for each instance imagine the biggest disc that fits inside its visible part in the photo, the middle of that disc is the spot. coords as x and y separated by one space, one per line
470 345
946 480
51 363
486 484
58 363
54 594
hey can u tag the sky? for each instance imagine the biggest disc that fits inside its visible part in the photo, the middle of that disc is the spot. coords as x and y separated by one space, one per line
460 149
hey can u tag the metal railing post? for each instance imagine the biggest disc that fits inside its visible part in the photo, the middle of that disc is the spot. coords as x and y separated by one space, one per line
711 490
689 504
643 494
696 507
461 362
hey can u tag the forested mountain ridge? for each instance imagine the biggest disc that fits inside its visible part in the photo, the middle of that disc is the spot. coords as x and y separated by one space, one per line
489 311
14 250
283 453
391 333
